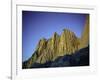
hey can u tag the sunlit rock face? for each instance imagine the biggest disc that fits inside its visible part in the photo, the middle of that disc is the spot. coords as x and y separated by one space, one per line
68 43
58 45
84 41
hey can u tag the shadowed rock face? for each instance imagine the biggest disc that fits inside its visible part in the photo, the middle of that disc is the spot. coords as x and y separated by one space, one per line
79 58
58 46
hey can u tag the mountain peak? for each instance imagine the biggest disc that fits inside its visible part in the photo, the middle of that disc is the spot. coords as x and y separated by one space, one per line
55 35
42 42
59 45
43 39
67 31
64 30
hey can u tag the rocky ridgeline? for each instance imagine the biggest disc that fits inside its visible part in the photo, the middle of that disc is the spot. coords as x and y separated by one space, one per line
58 45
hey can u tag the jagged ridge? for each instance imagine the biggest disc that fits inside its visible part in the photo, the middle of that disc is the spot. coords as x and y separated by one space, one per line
58 45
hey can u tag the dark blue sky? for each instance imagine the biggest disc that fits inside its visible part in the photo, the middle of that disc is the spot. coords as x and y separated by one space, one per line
37 25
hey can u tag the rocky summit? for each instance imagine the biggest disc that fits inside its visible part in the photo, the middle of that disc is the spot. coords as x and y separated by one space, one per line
66 44
49 50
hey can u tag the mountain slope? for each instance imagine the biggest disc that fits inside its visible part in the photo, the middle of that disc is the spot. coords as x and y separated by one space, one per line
51 51
84 41
57 45
79 58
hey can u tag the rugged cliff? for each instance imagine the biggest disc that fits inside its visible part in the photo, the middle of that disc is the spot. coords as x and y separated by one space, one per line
58 45
48 50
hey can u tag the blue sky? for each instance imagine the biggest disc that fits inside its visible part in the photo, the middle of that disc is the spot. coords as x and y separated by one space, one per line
37 25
